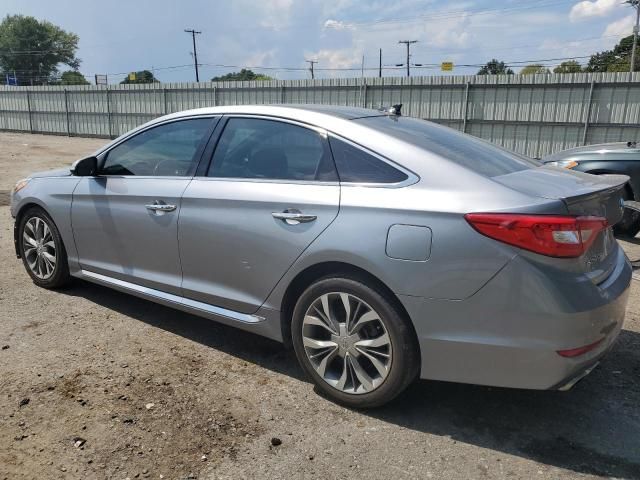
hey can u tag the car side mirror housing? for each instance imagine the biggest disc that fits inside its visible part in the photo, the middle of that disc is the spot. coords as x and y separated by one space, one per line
85 167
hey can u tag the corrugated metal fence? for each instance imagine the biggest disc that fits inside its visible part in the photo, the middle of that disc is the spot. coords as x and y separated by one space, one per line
531 114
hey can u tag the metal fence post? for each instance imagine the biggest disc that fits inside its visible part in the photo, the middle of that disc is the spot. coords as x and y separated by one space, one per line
66 111
164 101
465 107
109 112
282 94
29 109
215 96
364 95
588 113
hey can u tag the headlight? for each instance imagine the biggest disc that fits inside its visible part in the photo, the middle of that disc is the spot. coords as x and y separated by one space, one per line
20 184
564 163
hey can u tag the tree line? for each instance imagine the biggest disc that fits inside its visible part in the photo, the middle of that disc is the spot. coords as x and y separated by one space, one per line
31 52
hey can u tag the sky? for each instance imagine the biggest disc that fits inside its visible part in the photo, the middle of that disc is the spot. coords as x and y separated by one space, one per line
275 37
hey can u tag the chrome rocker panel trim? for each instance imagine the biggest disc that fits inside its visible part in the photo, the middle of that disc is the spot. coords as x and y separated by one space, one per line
175 301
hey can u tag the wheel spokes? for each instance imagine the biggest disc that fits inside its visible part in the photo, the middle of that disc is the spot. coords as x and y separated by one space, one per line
320 322
366 382
346 342
39 248
369 316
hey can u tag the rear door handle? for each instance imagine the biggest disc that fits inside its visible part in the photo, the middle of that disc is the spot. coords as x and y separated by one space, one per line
292 216
160 207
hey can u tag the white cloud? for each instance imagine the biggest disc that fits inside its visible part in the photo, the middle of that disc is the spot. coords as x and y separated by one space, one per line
597 8
274 14
337 24
260 59
620 28
344 58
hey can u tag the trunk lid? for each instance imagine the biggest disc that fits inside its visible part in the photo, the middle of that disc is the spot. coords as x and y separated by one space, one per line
583 194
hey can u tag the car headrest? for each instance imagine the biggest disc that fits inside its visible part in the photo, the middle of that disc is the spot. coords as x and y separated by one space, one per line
269 162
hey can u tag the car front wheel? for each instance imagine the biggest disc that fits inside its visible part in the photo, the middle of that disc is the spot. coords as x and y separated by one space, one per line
42 251
354 343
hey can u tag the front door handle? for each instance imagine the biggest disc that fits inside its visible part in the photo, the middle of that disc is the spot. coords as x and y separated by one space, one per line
160 207
292 216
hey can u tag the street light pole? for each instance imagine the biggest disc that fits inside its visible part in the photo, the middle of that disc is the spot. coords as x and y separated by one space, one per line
408 44
195 52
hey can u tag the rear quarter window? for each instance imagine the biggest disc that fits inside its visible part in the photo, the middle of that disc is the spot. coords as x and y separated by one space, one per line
470 152
354 165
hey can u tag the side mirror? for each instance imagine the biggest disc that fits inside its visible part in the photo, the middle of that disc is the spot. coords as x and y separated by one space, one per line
86 167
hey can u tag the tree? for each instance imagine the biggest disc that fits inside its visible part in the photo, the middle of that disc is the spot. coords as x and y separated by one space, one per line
570 66
243 74
535 69
34 49
494 67
72 77
143 76
616 60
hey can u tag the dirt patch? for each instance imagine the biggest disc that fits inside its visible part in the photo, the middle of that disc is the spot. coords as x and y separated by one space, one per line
23 154
5 198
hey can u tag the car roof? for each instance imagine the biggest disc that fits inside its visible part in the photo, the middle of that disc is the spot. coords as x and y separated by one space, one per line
595 149
319 115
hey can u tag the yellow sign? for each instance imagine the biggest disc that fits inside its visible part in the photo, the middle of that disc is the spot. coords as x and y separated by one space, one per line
132 77
447 66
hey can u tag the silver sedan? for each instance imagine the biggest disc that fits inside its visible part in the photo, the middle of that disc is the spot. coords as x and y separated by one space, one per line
383 248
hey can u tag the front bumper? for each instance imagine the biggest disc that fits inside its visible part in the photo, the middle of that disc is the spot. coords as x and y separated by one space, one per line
508 334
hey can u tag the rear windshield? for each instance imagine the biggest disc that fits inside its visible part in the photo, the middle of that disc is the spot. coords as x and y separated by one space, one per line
470 152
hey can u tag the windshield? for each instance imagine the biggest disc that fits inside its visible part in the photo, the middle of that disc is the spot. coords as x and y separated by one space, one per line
470 152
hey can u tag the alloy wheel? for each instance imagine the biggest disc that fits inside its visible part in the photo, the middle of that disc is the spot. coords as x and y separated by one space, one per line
347 343
39 248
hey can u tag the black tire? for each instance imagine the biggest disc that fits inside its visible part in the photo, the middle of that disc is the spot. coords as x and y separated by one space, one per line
405 358
59 276
629 226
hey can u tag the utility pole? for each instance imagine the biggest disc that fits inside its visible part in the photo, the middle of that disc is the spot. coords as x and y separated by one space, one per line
380 65
311 63
636 4
195 52
408 44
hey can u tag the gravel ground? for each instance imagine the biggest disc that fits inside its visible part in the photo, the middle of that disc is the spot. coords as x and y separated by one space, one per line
98 384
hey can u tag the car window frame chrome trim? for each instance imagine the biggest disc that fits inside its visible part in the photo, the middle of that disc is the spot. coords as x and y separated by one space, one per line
199 153
323 132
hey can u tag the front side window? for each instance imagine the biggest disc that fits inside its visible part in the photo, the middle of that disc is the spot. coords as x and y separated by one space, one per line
357 166
269 149
165 150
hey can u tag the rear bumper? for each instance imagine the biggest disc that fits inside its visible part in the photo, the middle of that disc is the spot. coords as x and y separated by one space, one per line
508 334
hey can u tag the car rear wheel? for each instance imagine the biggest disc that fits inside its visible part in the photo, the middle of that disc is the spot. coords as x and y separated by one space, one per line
629 226
353 342
42 251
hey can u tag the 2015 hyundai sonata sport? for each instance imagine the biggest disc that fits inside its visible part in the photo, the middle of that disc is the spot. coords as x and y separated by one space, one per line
382 247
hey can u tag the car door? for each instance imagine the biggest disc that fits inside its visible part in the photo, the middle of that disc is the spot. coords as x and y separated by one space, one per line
125 220
270 190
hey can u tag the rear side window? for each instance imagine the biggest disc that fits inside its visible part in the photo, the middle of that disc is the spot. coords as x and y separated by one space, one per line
478 155
357 166
269 149
165 150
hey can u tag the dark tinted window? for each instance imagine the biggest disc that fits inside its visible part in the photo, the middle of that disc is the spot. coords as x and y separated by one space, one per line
269 149
166 150
470 152
356 165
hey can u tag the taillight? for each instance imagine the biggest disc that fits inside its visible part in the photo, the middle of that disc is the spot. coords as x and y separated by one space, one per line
551 235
